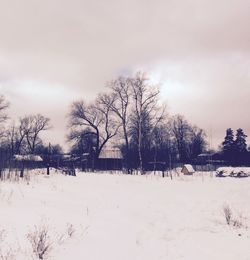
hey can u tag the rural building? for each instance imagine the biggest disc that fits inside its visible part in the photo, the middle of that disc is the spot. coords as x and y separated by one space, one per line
187 169
110 159
29 161
207 158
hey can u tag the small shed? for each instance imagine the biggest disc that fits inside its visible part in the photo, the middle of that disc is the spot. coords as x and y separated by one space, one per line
187 169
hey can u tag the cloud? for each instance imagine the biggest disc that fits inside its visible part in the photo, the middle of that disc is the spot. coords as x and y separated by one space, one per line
212 93
32 97
200 49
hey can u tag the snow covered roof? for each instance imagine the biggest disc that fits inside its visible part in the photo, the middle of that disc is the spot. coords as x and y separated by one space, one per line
230 171
189 167
203 154
28 157
111 154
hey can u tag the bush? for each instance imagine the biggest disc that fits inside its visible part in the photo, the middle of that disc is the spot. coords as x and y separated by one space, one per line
40 241
228 214
70 230
230 219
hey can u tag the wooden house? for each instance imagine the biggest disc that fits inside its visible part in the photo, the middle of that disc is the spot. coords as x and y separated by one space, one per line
110 159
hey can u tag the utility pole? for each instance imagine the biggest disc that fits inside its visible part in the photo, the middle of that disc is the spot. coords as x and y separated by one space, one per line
49 158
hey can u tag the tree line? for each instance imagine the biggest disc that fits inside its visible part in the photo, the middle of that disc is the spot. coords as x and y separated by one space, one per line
129 115
234 148
23 136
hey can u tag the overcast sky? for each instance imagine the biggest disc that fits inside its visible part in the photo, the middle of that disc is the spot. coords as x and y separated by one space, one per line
55 51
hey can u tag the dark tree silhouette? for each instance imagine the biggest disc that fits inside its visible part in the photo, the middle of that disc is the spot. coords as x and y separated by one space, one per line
240 141
146 113
121 100
228 146
30 127
96 118
3 106
240 147
181 133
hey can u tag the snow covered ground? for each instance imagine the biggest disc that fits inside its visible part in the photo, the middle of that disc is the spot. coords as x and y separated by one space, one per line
99 216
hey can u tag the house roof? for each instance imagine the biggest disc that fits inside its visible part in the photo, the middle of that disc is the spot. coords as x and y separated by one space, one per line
114 153
28 157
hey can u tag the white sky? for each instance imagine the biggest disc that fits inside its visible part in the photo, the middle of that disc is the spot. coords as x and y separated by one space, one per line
55 51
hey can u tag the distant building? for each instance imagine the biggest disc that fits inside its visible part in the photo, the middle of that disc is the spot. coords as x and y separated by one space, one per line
28 158
28 161
110 159
209 158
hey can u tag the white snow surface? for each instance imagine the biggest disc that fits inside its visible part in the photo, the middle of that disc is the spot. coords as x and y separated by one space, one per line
124 217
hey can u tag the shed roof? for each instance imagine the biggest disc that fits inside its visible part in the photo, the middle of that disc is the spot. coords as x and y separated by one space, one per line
189 167
28 157
110 154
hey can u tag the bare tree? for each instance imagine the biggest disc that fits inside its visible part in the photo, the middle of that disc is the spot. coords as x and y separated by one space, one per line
190 139
146 112
103 104
3 115
3 106
97 118
30 128
161 141
197 141
120 101
20 135
12 138
181 131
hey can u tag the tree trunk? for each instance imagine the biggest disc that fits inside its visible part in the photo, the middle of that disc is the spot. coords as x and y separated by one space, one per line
22 171
127 166
140 147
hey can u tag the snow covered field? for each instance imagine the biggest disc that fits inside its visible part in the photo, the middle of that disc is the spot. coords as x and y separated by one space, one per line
120 217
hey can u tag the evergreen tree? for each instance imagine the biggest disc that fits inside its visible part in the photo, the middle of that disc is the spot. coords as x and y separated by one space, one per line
228 146
240 147
240 141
